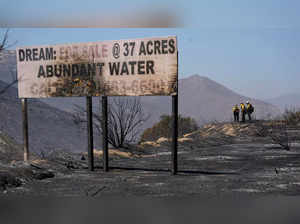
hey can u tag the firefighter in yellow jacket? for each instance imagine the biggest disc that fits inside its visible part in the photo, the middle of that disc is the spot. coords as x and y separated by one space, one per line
243 111
250 109
236 113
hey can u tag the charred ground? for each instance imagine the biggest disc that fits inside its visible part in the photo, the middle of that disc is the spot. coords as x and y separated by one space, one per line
219 159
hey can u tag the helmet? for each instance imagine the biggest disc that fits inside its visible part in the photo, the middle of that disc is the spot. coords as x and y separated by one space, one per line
247 102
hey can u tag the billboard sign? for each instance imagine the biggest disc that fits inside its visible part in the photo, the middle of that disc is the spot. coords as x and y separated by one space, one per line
136 67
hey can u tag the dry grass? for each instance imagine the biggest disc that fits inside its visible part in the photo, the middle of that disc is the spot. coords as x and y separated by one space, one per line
113 153
162 139
226 133
185 139
149 143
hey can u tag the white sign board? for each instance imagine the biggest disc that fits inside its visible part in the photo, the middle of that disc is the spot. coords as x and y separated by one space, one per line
111 68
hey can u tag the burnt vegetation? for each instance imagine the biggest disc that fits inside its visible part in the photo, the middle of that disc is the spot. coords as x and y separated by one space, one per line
4 45
292 116
278 130
4 42
125 119
164 128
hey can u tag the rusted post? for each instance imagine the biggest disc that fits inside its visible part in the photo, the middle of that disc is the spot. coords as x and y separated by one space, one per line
104 133
89 108
174 133
25 129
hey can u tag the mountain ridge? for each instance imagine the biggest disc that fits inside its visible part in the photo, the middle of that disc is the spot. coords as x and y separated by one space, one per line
286 101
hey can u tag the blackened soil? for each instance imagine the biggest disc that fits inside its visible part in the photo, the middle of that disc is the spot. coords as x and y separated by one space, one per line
248 166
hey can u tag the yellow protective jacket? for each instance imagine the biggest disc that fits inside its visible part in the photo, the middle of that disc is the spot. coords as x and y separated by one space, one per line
243 108
235 109
249 106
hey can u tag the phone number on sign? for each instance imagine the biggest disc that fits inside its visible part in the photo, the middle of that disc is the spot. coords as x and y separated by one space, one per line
139 87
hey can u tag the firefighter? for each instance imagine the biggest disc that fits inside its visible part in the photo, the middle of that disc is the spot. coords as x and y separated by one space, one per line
250 110
236 113
243 111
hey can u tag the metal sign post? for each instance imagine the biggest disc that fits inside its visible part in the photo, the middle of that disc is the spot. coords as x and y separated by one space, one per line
175 127
104 133
25 129
174 133
89 113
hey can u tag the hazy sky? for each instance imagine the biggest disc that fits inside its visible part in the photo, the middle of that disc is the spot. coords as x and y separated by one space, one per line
251 47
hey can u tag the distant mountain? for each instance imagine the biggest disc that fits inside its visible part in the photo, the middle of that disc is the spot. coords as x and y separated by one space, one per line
199 97
49 128
206 101
288 101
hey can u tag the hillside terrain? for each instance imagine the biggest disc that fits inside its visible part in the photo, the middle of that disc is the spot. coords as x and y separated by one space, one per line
206 100
49 128
199 97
